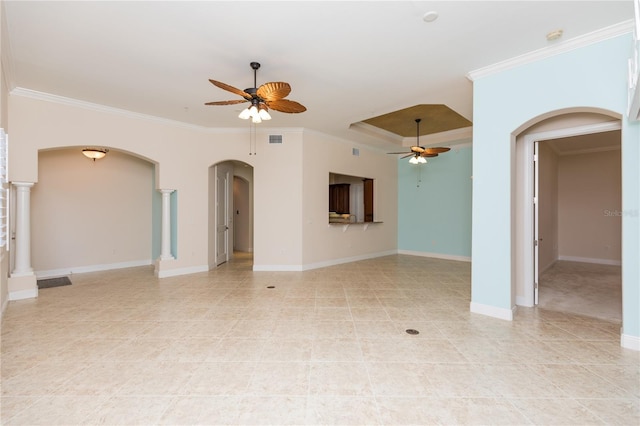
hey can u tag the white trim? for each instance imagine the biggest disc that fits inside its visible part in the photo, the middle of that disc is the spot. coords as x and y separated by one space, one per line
590 260
323 264
492 311
630 342
436 255
277 268
557 49
23 294
524 301
53 273
182 271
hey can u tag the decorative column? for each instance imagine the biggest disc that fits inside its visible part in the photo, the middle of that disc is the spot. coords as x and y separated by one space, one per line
22 282
22 258
165 251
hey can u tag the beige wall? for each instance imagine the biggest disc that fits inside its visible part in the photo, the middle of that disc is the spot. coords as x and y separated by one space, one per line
334 242
589 195
90 214
290 188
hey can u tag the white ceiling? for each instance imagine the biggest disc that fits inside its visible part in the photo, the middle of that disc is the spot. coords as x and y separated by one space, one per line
346 61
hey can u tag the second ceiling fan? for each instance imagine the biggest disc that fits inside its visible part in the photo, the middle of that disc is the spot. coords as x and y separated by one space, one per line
267 96
417 152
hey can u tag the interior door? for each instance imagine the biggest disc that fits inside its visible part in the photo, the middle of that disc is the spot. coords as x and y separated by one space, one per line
223 217
536 236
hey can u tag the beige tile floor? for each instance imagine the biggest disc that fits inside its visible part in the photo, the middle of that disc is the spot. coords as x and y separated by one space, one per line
583 288
326 346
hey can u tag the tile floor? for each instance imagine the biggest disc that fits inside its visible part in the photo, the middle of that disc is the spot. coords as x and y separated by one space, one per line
326 346
583 288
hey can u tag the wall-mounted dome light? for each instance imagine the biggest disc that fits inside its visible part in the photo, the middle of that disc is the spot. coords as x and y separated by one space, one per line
95 153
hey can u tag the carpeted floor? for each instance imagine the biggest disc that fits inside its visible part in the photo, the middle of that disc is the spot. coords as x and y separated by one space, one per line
583 288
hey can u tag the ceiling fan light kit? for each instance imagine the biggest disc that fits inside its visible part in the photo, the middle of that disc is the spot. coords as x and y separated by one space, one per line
418 153
269 95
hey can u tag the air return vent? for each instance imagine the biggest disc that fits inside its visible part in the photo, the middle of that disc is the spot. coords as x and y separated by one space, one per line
355 151
275 138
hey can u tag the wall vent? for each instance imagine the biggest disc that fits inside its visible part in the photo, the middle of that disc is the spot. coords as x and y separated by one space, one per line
275 138
355 151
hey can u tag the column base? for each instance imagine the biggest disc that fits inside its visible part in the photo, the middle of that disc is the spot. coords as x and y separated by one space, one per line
162 265
23 287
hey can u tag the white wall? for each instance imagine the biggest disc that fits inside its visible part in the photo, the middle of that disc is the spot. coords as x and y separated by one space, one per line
589 195
89 214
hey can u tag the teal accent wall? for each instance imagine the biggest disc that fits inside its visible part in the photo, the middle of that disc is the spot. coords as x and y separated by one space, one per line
156 220
434 199
594 77
174 223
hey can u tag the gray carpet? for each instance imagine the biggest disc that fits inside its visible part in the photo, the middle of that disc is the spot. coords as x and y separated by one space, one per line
53 282
586 289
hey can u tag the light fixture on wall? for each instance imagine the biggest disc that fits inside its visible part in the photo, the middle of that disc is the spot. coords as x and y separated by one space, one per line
95 153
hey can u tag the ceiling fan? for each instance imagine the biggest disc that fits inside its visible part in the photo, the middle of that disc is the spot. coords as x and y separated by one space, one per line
269 95
417 152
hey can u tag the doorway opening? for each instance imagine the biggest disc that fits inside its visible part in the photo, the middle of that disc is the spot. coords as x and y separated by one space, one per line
563 232
230 211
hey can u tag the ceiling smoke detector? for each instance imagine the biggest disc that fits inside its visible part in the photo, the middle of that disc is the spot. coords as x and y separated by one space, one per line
554 35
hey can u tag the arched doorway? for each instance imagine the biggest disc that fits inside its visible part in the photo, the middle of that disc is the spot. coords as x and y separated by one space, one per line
230 210
536 241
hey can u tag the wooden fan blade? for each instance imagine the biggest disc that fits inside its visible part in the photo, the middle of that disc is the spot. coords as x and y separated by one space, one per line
437 150
417 149
231 89
285 105
274 90
406 156
237 101
428 154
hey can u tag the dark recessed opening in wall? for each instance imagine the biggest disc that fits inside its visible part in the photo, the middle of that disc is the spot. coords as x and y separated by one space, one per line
350 198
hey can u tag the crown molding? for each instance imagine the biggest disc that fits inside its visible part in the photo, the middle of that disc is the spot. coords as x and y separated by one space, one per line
547 52
48 97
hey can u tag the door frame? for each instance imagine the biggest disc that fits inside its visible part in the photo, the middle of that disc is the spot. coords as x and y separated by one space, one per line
528 192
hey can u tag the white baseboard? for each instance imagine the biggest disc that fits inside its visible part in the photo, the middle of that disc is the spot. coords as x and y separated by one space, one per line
630 342
182 271
53 273
277 268
492 311
323 264
436 255
591 260
5 303
23 294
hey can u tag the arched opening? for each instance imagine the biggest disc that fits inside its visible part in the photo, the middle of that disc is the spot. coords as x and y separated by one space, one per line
91 215
230 212
562 190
